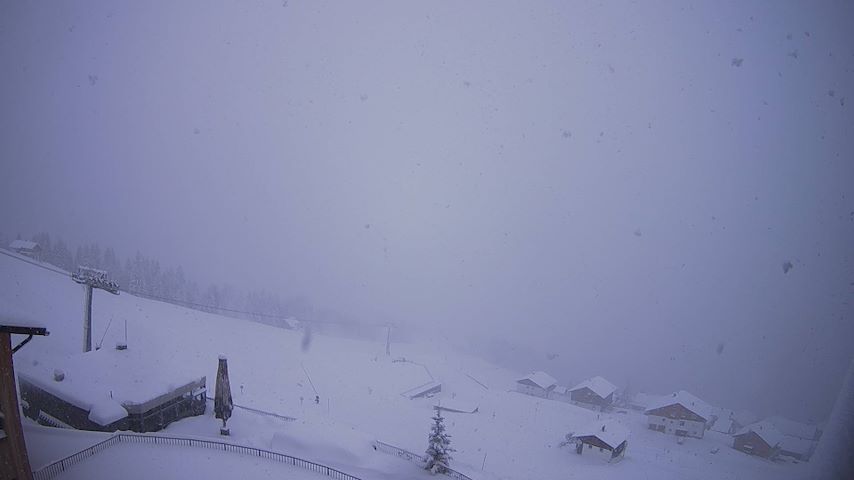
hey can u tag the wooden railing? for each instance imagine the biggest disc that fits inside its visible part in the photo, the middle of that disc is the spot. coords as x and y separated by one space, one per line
60 466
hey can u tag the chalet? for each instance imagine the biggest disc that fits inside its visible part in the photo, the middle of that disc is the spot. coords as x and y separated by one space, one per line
538 384
799 440
26 247
603 437
680 414
110 389
595 392
761 439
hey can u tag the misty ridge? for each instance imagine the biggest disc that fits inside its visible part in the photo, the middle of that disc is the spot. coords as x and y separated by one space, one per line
143 276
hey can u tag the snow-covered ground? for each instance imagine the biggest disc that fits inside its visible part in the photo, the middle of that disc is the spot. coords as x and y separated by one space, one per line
512 436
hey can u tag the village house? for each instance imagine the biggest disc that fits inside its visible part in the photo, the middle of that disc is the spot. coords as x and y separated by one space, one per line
595 392
680 414
607 438
27 248
799 439
538 384
111 389
760 439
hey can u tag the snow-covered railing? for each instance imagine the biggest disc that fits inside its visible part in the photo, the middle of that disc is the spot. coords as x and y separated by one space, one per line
61 466
415 458
405 454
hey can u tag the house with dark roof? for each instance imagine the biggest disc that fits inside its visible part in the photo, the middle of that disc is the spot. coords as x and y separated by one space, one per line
538 384
26 247
761 439
681 414
603 437
595 392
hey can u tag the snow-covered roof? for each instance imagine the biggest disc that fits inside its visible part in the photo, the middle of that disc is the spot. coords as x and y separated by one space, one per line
687 400
540 379
765 430
424 389
598 385
609 431
23 245
96 380
793 428
745 417
800 446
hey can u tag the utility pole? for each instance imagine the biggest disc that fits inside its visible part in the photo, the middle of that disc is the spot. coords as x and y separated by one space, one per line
91 278
388 340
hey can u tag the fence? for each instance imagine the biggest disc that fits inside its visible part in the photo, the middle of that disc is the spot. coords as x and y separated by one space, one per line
415 458
60 466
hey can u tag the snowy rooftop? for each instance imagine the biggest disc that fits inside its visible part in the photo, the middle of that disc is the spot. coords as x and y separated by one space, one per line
103 381
609 431
23 244
797 445
597 385
793 428
541 379
765 430
687 400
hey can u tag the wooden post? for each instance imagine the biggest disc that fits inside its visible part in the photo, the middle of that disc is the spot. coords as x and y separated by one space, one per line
87 318
14 461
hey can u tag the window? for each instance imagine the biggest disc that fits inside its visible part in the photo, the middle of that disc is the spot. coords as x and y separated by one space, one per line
682 423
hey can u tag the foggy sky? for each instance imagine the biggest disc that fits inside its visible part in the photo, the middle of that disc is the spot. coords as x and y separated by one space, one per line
618 183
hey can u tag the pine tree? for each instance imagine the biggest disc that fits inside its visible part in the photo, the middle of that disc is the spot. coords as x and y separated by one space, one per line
439 447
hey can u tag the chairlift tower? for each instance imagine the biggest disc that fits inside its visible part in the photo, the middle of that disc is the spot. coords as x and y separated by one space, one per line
91 278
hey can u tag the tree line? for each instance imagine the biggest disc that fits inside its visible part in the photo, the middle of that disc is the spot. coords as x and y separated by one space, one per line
143 275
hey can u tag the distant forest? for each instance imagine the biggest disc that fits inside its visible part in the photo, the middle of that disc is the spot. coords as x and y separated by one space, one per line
144 276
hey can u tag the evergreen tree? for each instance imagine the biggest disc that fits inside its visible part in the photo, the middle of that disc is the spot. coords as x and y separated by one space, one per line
439 447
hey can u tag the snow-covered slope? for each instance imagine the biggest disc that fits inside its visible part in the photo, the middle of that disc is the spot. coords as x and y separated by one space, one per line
511 436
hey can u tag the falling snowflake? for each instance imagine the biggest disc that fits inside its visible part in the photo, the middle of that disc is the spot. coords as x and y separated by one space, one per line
787 265
736 62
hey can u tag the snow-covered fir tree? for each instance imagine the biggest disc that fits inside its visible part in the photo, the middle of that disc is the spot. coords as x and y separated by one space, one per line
439 447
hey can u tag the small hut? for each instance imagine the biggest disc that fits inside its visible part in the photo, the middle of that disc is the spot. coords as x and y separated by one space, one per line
607 438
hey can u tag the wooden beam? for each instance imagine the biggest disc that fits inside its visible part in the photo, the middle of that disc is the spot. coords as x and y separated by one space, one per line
13 449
